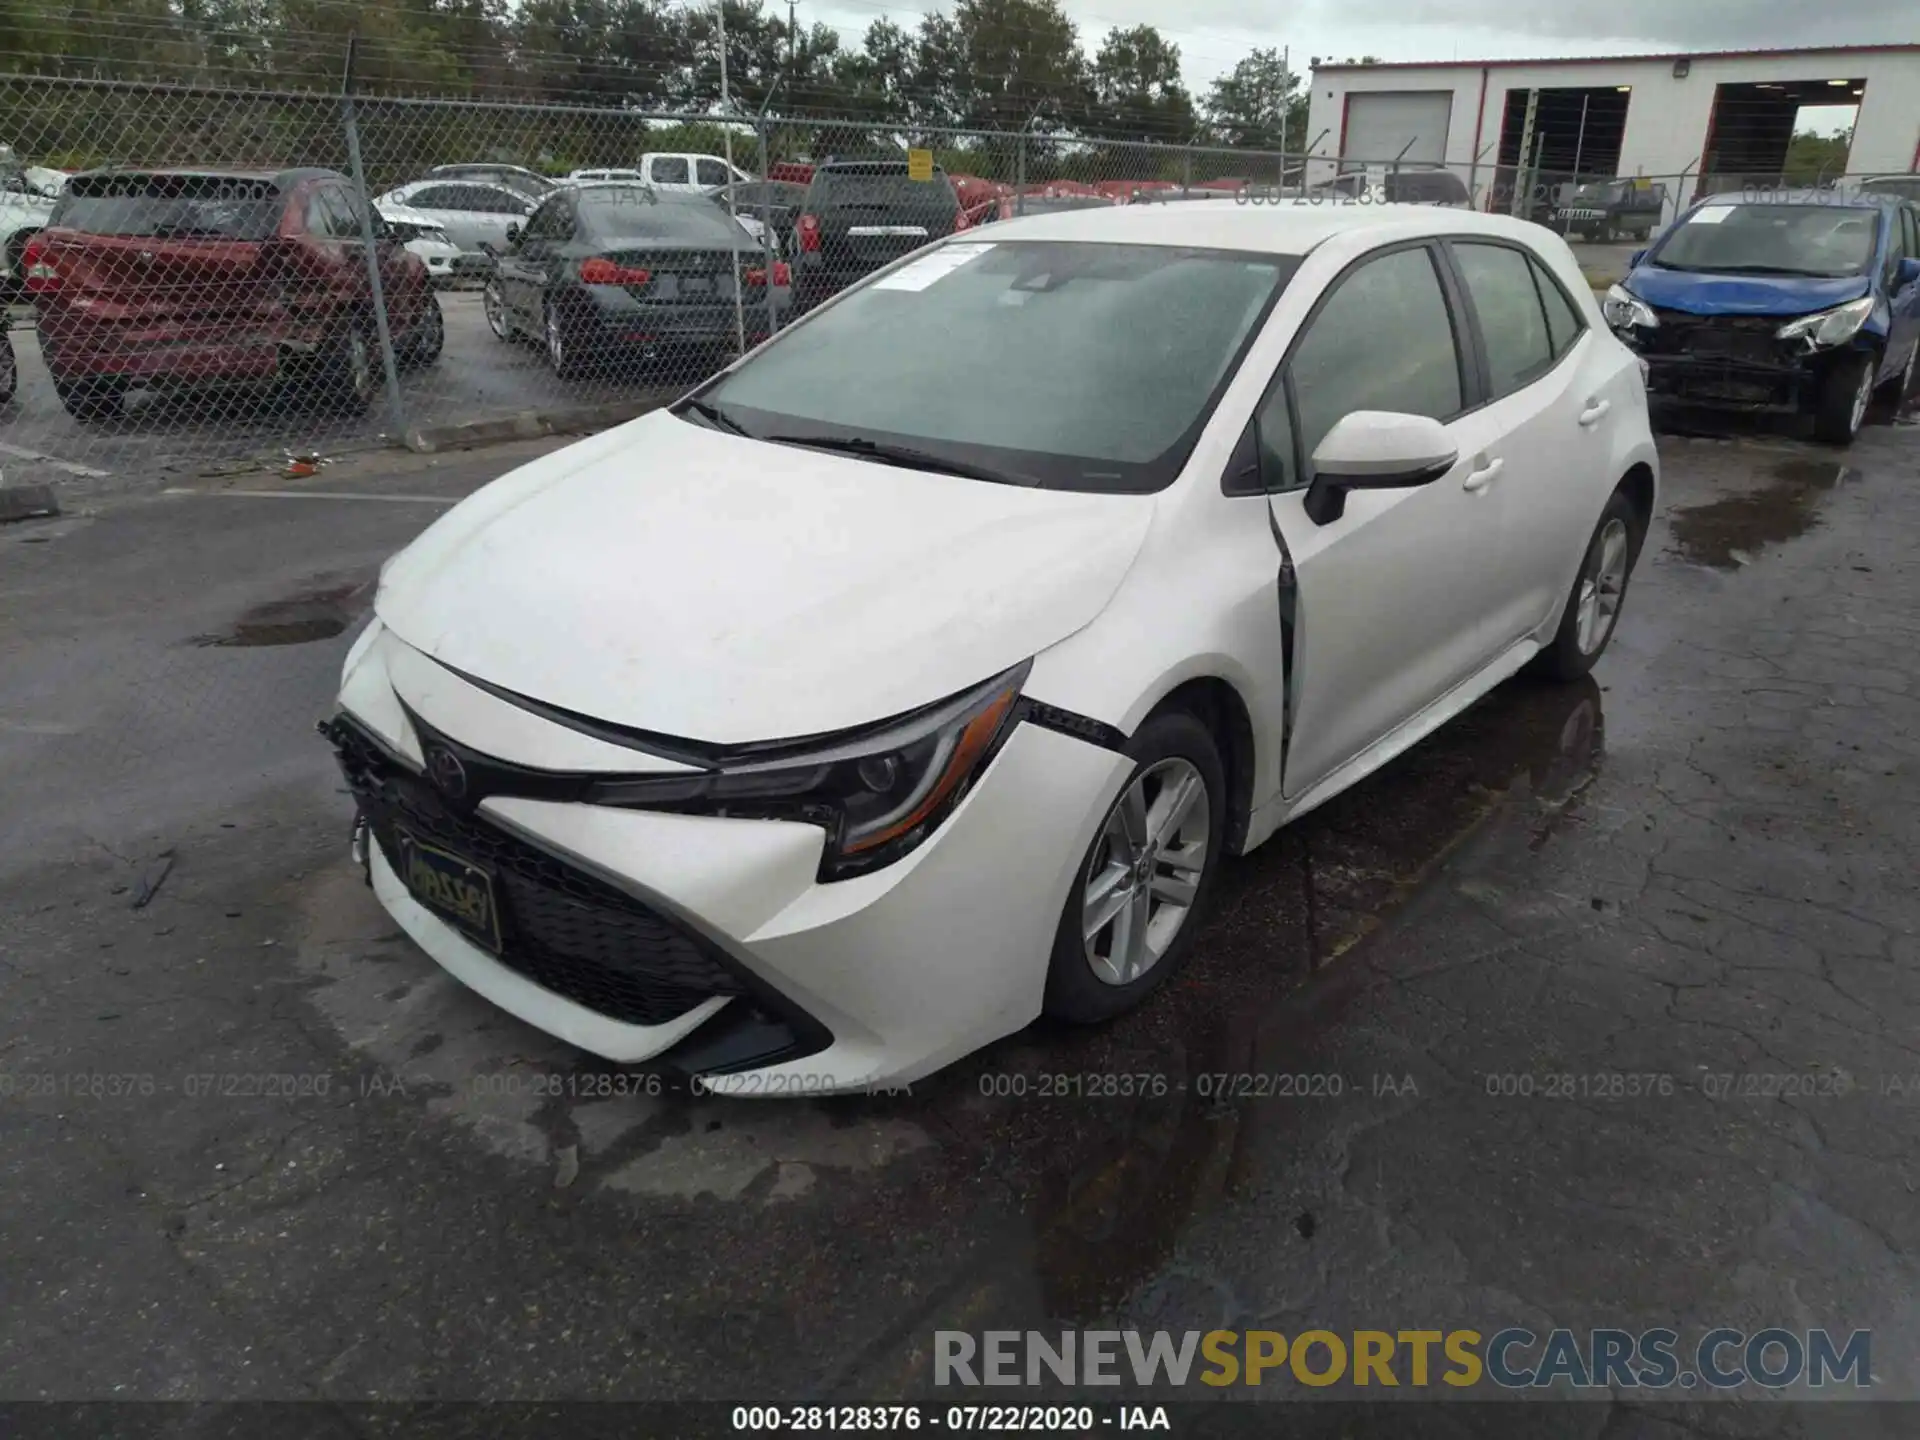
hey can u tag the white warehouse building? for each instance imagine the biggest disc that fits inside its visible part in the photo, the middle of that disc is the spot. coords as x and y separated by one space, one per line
1698 122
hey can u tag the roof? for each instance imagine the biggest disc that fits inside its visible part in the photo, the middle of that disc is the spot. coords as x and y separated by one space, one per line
1614 59
1292 227
289 175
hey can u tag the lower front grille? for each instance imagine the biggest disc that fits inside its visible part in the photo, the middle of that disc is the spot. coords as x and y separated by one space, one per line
565 930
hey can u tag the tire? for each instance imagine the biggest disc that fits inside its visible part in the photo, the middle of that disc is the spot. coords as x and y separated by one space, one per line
1093 979
429 335
9 370
13 277
90 399
1845 394
1598 595
347 369
562 353
494 305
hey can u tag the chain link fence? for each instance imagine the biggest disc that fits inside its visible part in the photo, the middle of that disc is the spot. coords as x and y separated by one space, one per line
202 276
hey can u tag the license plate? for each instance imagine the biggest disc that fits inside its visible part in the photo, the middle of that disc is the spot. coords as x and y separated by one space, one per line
455 889
696 284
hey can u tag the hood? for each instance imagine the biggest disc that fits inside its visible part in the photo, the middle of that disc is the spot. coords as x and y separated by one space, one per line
402 214
709 587
1700 294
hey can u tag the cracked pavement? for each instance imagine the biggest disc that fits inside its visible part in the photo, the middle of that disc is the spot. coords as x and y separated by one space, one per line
1696 869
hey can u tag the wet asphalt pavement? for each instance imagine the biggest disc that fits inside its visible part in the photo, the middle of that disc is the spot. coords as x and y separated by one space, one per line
1696 867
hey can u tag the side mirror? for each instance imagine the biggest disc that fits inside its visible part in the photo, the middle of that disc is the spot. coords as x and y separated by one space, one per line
513 234
1907 274
1376 450
1634 260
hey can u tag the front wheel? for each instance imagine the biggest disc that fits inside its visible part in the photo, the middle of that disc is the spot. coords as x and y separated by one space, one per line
1599 591
1137 897
1845 394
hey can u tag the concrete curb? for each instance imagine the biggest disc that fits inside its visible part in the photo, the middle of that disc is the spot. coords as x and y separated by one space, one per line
27 502
528 425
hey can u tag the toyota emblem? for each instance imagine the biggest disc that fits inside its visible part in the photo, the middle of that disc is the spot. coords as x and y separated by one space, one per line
449 775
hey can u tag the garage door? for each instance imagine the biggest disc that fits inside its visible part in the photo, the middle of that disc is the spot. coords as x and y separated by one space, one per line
1381 123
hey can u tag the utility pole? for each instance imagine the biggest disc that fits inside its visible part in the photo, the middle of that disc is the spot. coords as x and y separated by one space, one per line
1286 96
790 42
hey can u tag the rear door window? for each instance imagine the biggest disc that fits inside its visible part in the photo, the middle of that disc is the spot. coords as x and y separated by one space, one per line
1513 323
1563 320
170 206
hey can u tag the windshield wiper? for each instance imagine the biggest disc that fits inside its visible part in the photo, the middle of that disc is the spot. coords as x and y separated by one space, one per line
905 456
715 416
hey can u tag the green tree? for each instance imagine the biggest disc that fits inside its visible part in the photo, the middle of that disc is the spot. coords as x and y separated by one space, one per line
1137 90
1811 156
1244 107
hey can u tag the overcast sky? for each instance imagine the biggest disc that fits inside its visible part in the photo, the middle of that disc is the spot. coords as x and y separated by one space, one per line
1212 34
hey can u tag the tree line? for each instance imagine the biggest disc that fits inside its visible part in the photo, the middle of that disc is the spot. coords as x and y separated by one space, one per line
1005 65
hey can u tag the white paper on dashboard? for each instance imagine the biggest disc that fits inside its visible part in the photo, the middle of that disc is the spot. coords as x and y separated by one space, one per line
1712 215
929 268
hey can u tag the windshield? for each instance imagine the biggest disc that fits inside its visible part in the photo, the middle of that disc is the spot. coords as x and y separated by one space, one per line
1829 240
1081 366
213 207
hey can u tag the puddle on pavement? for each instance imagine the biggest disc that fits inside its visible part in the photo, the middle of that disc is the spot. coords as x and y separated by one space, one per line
1731 531
1110 1208
317 613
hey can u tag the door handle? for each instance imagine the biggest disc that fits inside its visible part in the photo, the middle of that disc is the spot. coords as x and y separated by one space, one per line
1595 412
1478 480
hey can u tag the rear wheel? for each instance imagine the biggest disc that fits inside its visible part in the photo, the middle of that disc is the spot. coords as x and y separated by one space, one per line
494 303
429 336
562 353
346 368
89 399
1845 394
1137 898
1599 591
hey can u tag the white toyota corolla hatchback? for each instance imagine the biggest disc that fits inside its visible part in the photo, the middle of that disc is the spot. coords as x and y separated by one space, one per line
915 677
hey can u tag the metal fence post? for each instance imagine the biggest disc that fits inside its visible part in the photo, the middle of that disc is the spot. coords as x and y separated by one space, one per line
769 243
371 245
1020 175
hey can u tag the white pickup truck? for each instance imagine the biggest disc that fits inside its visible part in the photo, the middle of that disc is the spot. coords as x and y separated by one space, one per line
687 172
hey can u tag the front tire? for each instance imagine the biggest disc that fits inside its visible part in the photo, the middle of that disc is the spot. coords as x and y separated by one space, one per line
1599 591
1139 894
1845 394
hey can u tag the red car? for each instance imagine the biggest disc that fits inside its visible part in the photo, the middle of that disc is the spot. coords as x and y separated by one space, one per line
188 278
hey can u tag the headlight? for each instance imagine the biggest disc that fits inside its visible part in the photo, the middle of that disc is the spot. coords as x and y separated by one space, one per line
877 793
1625 310
1828 328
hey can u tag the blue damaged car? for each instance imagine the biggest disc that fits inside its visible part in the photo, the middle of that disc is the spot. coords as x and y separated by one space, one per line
1798 303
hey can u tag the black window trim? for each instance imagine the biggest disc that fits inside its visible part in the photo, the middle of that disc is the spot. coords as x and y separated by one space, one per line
1471 367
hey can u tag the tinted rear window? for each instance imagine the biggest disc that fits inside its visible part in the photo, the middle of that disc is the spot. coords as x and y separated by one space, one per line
880 185
616 213
184 207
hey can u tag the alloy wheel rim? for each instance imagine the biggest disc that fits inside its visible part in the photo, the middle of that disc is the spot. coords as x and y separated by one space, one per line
496 312
1862 397
1603 586
556 343
1145 871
